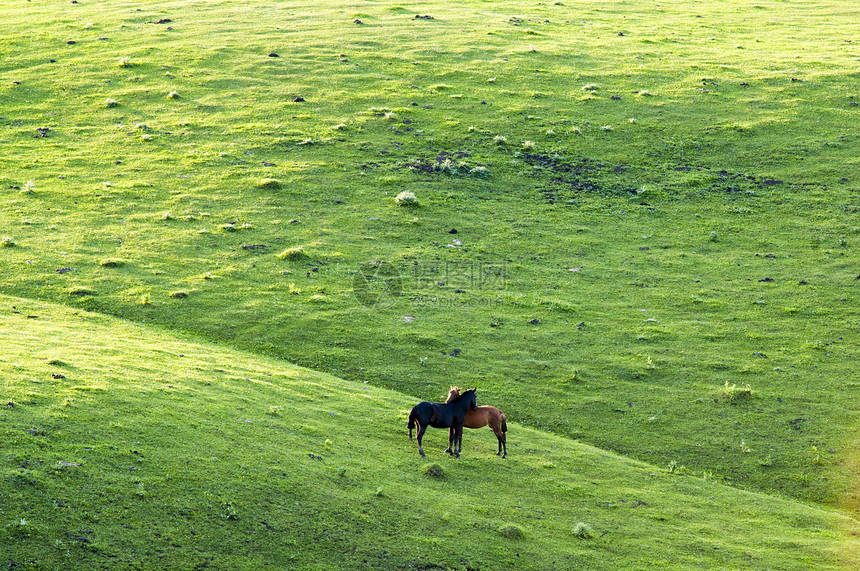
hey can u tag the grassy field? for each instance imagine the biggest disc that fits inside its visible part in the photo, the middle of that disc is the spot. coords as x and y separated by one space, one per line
635 229
169 453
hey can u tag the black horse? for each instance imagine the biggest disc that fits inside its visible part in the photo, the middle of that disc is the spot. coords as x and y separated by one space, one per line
450 415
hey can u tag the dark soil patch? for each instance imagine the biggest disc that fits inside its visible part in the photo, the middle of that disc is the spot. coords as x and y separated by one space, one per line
571 177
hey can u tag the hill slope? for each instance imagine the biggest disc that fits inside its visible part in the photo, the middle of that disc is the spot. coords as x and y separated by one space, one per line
127 447
653 202
635 228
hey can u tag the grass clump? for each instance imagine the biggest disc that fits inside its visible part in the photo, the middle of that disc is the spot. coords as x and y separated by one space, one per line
293 254
434 471
406 198
234 227
269 184
7 242
81 291
112 263
582 531
734 394
511 531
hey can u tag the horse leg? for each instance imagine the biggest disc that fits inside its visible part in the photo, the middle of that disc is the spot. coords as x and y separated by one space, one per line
421 429
503 434
503 447
458 440
452 441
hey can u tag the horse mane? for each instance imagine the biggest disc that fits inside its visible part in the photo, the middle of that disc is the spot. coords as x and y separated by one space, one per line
458 395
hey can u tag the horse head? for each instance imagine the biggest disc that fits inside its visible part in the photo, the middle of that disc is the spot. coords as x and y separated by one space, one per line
453 393
473 399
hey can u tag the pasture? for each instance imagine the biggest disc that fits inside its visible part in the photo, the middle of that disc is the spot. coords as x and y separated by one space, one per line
631 225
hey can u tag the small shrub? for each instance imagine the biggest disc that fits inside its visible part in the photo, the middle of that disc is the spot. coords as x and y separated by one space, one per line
511 531
7 242
406 198
529 146
173 95
293 254
447 166
125 62
734 393
582 531
500 140
179 294
111 103
29 187
434 471
112 263
675 468
81 291
228 512
269 184
19 528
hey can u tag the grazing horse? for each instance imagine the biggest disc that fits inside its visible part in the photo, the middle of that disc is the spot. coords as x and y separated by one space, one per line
450 415
483 416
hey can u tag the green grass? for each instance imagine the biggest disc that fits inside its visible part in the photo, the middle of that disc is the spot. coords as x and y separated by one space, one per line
173 453
653 203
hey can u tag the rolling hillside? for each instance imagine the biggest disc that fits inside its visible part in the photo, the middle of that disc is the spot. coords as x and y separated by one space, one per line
238 240
129 447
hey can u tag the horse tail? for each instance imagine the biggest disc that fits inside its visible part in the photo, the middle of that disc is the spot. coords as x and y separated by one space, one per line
504 423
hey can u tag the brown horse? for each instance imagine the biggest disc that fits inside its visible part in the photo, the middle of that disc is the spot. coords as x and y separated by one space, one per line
485 415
